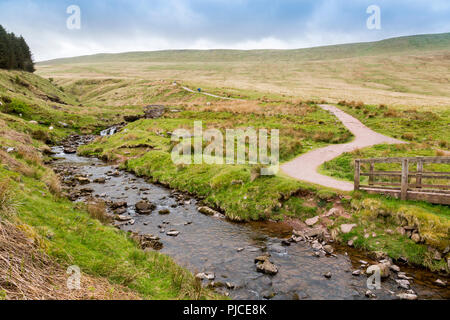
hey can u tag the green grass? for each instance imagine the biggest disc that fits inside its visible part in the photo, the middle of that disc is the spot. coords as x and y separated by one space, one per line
72 237
342 167
378 214
390 46
254 199
411 125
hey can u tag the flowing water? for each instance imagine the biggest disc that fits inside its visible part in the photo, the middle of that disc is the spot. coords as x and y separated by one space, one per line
210 244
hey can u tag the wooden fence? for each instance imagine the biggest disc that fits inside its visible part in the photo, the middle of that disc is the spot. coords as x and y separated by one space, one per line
411 184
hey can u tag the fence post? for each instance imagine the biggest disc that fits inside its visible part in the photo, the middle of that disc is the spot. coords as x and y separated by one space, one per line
357 174
419 174
371 174
404 190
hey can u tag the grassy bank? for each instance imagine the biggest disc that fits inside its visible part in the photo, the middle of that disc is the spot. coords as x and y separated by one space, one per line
72 237
32 207
145 148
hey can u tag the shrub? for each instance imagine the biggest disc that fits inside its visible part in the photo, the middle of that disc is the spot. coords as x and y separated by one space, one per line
323 136
97 210
408 136
41 135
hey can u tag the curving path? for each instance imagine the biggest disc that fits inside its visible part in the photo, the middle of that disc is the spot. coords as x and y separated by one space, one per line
305 167
210 94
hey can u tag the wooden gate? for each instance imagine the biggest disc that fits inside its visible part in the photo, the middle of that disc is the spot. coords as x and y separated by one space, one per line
413 182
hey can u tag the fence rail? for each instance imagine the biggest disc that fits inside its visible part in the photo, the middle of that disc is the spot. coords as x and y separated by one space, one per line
411 185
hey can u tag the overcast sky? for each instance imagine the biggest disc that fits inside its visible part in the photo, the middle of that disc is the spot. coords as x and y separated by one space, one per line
141 25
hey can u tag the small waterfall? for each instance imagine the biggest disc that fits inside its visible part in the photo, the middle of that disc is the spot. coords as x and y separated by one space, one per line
108 132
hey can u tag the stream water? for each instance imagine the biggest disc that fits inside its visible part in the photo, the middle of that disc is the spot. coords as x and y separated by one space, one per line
210 244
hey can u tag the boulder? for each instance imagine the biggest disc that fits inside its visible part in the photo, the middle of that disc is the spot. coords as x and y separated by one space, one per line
173 233
441 283
356 273
416 238
312 221
328 249
404 284
208 211
117 205
154 111
266 267
100 180
346 228
82 180
205 276
407 296
144 207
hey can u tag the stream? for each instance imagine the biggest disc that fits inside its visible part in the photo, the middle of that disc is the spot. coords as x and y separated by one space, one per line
216 245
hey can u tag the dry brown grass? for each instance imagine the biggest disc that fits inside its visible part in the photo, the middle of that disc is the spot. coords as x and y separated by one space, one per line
15 165
7 203
53 183
27 273
97 210
416 79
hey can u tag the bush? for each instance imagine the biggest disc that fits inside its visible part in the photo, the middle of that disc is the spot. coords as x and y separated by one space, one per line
17 107
97 210
41 135
408 136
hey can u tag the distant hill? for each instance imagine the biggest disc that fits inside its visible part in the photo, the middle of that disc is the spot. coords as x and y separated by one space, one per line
393 46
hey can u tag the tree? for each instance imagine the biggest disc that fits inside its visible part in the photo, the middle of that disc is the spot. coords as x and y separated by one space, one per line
14 52
4 49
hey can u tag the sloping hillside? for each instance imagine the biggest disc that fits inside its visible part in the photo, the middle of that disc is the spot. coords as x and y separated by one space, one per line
405 72
411 44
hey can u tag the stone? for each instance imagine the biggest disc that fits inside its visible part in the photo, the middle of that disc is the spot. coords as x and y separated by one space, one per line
370 294
401 231
144 207
266 267
83 180
356 273
285 243
327 275
328 249
402 275
205 276
332 212
208 211
154 111
164 211
384 270
70 150
350 243
395 268
416 238
312 221
437 255
268 294
346 228
173 233
262 258
404 284
100 180
229 285
117 205
440 283
122 218
407 296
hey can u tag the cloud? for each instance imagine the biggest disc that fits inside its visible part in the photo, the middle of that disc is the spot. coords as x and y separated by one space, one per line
123 25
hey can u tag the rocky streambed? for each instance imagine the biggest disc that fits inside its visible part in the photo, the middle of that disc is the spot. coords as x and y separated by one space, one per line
262 260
